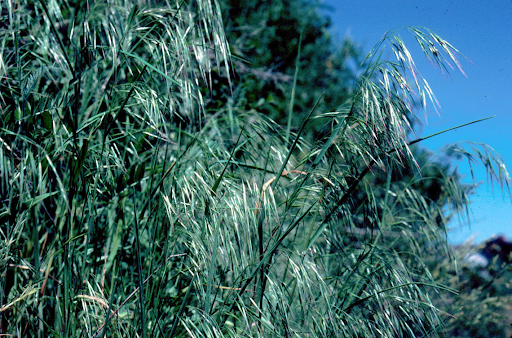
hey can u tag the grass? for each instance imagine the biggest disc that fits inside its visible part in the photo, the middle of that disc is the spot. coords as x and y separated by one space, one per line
128 209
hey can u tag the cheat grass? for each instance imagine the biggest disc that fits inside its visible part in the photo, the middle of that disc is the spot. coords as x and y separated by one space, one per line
128 209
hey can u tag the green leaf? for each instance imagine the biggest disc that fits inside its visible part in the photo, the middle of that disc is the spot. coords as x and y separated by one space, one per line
77 166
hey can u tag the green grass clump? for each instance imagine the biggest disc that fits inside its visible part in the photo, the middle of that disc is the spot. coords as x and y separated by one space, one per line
130 209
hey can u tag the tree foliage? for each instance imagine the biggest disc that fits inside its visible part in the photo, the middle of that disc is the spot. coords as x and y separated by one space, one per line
270 41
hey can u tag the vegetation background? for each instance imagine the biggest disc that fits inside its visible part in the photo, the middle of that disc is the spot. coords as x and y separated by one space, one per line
216 170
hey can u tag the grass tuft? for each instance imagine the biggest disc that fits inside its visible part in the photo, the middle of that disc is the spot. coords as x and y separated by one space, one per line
130 209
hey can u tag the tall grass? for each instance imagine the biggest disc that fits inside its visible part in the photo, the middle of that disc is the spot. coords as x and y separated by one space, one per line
128 209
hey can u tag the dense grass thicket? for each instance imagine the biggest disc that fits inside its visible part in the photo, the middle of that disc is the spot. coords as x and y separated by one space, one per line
147 190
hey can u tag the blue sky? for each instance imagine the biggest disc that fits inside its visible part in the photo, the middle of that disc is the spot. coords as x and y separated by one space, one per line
481 31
